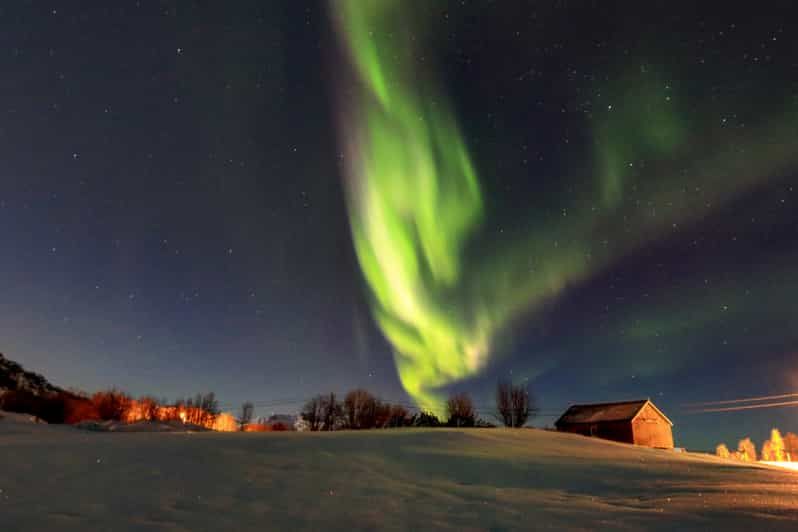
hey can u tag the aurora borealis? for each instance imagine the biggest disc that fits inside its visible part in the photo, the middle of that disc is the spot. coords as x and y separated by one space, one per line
415 200
272 200
655 165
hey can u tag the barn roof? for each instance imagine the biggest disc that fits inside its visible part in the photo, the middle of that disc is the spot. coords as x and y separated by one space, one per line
599 412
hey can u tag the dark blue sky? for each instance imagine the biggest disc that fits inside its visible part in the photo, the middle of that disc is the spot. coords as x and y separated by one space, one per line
173 220
171 205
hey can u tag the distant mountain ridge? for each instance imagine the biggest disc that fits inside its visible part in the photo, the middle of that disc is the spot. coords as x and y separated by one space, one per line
13 377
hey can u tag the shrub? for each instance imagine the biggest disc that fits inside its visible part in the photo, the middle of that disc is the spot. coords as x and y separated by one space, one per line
398 416
79 408
425 419
111 404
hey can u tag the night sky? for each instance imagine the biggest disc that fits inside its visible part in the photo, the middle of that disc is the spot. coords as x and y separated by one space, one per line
216 196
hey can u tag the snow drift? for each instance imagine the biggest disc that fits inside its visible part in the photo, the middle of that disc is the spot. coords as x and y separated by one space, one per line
60 478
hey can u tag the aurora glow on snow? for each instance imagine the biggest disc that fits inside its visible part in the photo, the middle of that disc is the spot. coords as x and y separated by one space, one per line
416 205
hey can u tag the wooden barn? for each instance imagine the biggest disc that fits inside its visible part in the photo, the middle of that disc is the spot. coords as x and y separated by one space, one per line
637 422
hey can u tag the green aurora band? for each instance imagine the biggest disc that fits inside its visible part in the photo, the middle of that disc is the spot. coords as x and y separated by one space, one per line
415 200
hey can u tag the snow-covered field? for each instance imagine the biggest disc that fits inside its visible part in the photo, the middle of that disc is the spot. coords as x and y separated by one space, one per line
61 478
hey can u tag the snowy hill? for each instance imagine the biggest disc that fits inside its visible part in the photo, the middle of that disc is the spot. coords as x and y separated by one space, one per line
14 377
413 479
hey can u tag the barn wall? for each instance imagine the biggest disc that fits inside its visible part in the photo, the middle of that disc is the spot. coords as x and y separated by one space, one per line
651 430
620 431
615 430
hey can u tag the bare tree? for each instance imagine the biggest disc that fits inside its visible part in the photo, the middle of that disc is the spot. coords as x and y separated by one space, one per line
514 404
360 409
461 411
791 446
245 418
173 411
191 411
209 408
312 413
382 414
397 416
202 409
149 408
504 411
332 412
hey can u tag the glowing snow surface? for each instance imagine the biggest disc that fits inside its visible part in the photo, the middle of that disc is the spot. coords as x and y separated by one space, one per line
785 465
61 478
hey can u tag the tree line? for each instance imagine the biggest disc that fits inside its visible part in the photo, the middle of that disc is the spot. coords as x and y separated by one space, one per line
776 449
359 409
110 405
